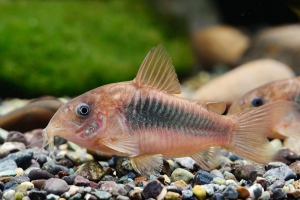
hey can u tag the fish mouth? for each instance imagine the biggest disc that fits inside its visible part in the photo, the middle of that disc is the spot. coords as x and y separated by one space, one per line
48 137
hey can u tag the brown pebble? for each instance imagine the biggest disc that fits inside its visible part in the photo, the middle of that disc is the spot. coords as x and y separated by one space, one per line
81 181
180 184
62 174
296 184
295 167
264 184
93 185
139 179
243 193
294 193
38 183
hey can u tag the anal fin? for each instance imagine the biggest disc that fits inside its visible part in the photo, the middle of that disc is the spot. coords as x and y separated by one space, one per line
149 164
209 158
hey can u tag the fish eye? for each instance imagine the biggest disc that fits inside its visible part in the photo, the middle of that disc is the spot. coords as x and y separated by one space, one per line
83 110
256 102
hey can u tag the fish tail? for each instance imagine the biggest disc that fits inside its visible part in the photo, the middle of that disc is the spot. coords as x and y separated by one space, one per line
249 139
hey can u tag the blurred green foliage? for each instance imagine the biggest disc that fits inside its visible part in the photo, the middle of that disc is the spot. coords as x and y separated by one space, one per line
69 47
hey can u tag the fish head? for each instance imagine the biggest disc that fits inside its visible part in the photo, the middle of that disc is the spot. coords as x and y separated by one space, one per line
80 120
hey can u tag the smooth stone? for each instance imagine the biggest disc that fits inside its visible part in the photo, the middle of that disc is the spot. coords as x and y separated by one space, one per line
295 167
22 158
36 174
203 177
182 174
255 191
171 196
38 183
217 173
248 172
52 197
243 192
37 195
79 157
19 195
76 197
271 178
1 186
209 188
55 186
8 165
294 193
90 197
229 176
280 172
102 194
264 196
8 173
81 181
121 197
23 187
199 192
218 196
264 183
69 179
92 171
15 136
296 184
180 184
276 184
154 189
73 190
9 195
107 186
11 147
219 181
58 168
186 162
135 195
10 185
276 143
291 175
187 194
279 194
123 166
230 192
3 135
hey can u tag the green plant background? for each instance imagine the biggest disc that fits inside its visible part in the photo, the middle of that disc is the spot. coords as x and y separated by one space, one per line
69 47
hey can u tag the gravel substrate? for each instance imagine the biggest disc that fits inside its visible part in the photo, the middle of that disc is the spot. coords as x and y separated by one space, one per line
75 174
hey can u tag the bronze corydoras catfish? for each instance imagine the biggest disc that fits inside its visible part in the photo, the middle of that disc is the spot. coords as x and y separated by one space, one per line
141 119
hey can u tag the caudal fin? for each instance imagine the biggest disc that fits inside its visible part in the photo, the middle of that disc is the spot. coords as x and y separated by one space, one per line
250 138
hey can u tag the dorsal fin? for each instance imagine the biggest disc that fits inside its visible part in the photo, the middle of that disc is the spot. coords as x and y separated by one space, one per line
216 106
158 72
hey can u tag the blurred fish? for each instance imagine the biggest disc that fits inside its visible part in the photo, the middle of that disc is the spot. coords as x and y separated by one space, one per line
288 90
141 119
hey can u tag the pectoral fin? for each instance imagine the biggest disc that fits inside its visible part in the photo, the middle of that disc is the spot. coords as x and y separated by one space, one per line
209 158
150 164
125 145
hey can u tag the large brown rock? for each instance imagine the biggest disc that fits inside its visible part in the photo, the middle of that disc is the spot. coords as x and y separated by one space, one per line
242 79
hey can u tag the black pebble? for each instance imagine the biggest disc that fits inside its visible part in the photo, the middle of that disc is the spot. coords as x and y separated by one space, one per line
69 179
218 196
291 175
9 184
39 174
57 168
37 195
278 194
203 177
40 158
22 158
1 186
152 189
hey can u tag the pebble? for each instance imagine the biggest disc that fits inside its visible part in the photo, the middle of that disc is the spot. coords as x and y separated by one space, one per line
230 192
15 136
11 147
199 192
36 174
8 165
294 193
264 196
276 184
58 168
154 189
55 186
107 186
243 192
180 184
92 171
135 195
279 194
22 158
248 172
102 194
203 177
217 173
209 188
81 181
182 174
171 196
9 195
255 191
187 194
52 197
37 195
291 175
218 196
281 172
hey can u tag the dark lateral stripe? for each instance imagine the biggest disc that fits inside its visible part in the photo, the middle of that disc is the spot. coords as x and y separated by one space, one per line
152 113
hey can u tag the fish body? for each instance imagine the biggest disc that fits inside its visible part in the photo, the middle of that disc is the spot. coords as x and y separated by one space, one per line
143 120
287 90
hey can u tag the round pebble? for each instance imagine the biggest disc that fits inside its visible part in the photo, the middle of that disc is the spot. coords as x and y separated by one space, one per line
199 192
55 186
243 192
230 192
182 174
203 177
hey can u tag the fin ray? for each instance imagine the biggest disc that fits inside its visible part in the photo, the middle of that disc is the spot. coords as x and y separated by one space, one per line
209 158
149 164
158 72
